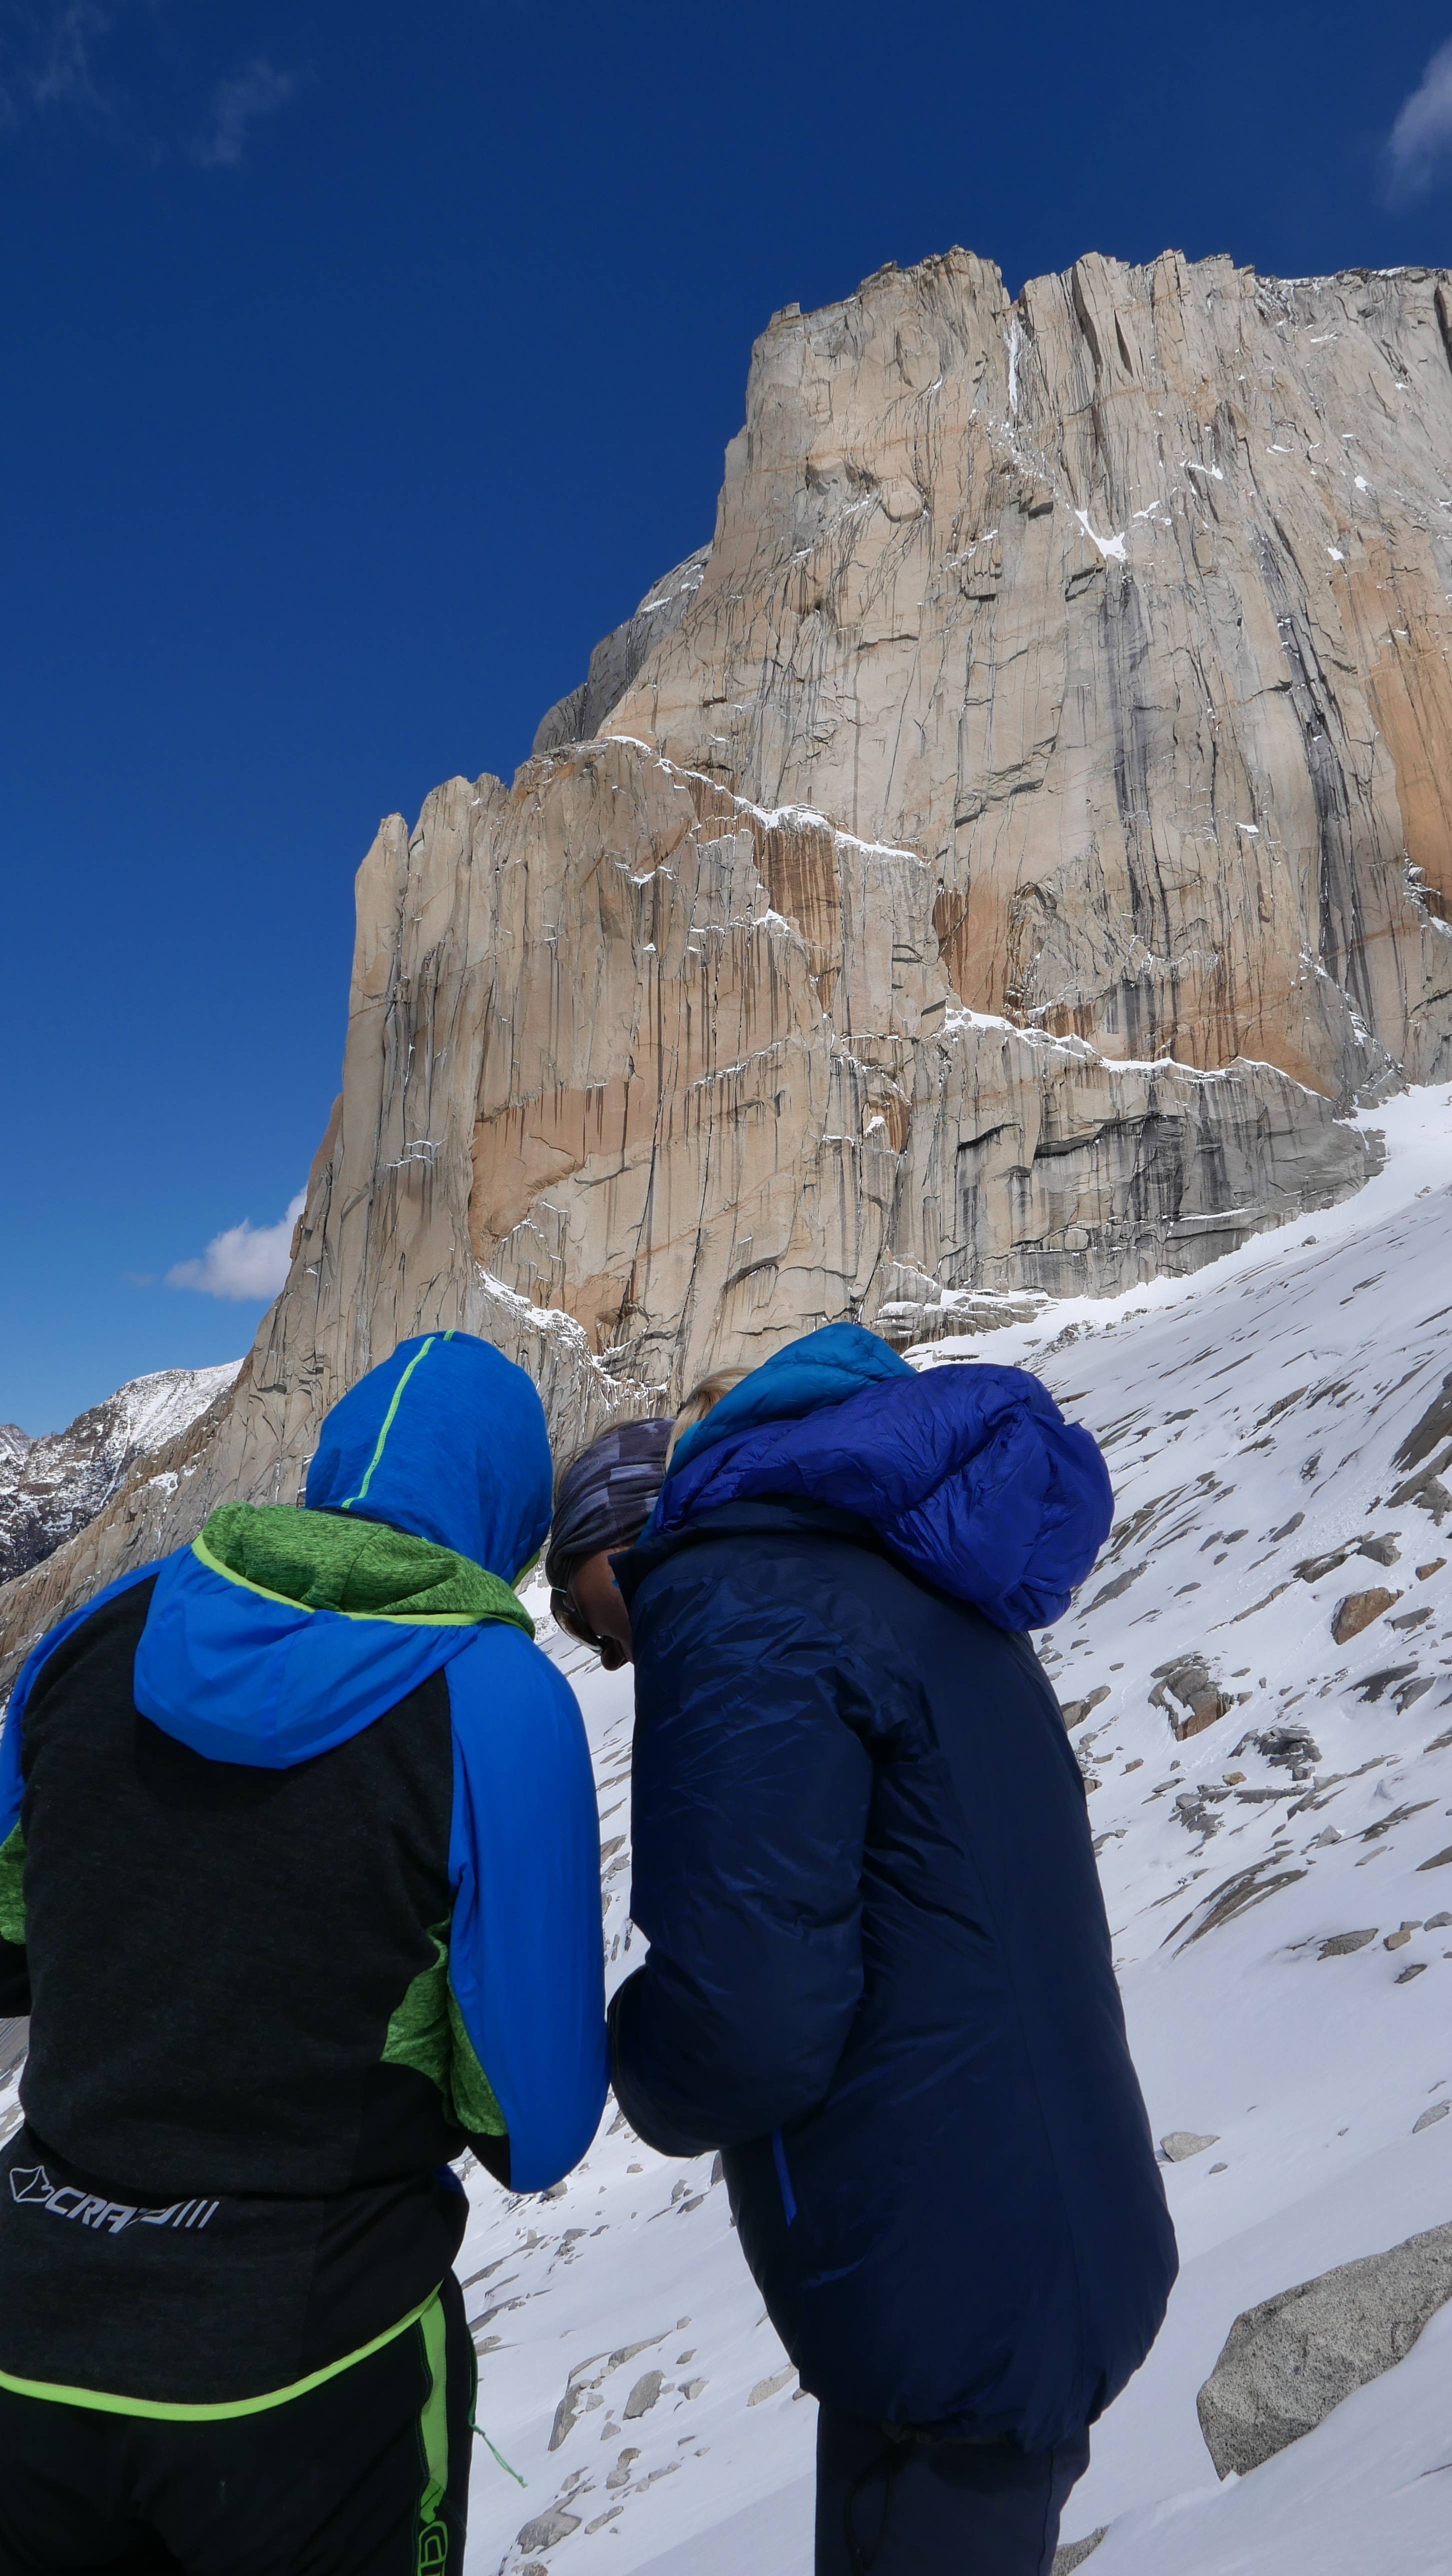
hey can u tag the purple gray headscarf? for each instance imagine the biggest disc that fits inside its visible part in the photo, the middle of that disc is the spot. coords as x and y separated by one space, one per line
606 1495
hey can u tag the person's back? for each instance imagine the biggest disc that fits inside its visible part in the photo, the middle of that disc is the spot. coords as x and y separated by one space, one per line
302 1893
880 1975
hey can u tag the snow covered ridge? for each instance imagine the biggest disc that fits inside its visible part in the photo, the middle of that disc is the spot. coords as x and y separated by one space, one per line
51 1487
1253 1418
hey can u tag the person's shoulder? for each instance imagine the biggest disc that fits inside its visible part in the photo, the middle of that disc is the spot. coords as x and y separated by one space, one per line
501 1663
886 1619
948 1645
517 1724
775 1588
120 1606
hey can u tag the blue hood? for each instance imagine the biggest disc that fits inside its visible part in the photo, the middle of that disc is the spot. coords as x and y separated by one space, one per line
446 1439
969 1475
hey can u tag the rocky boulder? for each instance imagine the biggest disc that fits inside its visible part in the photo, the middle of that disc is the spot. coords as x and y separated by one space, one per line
1288 2362
1198 1701
1358 1610
1072 2553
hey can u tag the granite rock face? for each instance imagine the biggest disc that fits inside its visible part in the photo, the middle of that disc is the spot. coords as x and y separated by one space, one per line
1125 605
1287 2362
984 873
641 1078
615 661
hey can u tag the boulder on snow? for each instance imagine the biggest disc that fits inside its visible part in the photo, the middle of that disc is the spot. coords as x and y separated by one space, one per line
548 2529
770 2387
1433 1426
1288 2362
1074 2552
1187 1679
1358 1610
1074 1711
1182 2143
1292 1747
565 2414
643 2395
1424 1487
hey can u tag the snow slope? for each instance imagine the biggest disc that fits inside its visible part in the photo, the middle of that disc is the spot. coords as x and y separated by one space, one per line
1279 1383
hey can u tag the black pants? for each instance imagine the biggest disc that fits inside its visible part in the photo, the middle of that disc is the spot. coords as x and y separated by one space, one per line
367 2475
890 2507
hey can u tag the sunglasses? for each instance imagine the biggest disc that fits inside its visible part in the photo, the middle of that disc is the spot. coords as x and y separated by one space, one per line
566 1616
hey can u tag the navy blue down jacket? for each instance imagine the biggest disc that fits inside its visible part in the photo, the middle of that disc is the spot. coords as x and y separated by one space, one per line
879 1976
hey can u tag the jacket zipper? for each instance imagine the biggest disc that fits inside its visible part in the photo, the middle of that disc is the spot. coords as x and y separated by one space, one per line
788 2196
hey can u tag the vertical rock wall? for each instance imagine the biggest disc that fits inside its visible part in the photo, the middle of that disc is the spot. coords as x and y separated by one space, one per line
1126 605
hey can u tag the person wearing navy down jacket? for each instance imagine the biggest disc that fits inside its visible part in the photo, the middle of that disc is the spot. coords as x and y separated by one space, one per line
300 1887
879 1976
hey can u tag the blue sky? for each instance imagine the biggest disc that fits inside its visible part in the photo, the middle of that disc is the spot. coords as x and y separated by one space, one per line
364 365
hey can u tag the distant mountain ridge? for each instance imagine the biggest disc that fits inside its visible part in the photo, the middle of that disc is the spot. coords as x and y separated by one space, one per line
51 1487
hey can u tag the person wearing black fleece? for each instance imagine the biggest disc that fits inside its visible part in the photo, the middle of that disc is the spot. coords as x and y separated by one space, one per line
300 1885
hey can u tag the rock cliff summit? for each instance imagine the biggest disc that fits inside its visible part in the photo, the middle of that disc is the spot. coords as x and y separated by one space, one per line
991 869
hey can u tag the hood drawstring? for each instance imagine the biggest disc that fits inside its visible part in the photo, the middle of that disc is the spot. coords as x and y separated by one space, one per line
498 2455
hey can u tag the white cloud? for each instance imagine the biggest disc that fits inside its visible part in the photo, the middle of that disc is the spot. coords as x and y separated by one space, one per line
58 56
63 75
237 105
47 57
245 1261
1419 147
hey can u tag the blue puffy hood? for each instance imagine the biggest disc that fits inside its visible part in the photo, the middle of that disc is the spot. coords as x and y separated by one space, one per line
445 1440
968 1474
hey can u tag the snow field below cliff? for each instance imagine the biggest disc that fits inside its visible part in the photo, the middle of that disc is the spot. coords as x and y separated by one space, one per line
1280 1383
1253 1422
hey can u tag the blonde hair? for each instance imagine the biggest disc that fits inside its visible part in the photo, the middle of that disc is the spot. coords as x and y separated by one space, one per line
707 1392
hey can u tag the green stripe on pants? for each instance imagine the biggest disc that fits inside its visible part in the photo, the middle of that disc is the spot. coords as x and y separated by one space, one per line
433 2425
